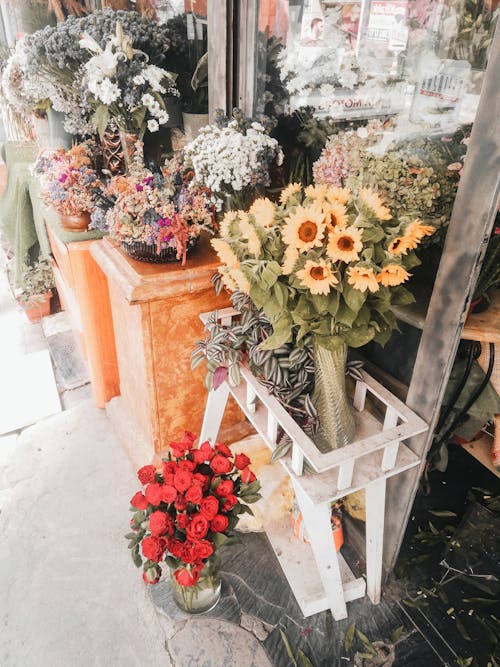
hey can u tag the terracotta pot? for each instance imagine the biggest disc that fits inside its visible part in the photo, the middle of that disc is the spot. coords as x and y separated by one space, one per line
75 223
35 310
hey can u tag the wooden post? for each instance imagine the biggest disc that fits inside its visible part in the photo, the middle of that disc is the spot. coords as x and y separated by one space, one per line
214 411
375 512
472 219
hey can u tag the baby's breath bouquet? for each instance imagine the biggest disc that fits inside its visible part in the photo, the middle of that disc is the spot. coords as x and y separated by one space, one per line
325 262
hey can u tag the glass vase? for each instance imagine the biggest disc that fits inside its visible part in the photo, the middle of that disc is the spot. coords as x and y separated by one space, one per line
336 420
204 595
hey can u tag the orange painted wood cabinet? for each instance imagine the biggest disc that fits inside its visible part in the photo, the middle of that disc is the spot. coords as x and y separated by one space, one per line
156 311
83 290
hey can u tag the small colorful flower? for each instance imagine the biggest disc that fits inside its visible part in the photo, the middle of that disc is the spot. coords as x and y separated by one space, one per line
317 276
392 274
263 211
362 278
290 190
225 252
344 244
374 202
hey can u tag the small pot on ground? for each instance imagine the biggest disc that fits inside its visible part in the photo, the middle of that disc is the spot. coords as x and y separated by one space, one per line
78 222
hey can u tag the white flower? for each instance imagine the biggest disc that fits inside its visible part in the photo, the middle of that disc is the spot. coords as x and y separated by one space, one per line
163 117
154 75
147 100
107 91
103 65
153 125
139 80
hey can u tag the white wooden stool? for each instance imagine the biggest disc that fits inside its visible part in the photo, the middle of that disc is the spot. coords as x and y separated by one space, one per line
377 454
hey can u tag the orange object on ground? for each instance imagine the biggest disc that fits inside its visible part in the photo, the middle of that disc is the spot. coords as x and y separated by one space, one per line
300 534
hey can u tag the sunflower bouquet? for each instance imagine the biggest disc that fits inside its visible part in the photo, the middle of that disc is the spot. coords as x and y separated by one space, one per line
324 264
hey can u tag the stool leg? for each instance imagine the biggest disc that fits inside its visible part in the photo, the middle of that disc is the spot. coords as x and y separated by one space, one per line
375 512
214 411
317 521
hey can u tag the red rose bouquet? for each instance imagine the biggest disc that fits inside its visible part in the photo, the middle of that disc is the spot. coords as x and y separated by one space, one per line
189 509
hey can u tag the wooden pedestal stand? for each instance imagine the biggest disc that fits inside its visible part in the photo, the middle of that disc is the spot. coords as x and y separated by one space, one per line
377 454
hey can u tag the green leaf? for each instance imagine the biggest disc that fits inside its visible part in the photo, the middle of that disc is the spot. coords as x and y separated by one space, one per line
139 116
396 634
280 294
131 536
411 260
281 450
329 623
462 629
366 642
249 489
443 513
282 333
244 509
349 637
345 315
288 647
320 303
359 336
401 296
258 295
101 119
303 659
253 498
373 234
136 557
270 273
331 343
219 539
353 297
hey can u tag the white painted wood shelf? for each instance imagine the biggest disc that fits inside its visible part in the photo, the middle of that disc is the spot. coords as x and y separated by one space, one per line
377 453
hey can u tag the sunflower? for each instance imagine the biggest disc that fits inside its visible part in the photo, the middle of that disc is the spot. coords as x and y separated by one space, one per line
289 191
416 230
241 280
263 211
227 279
335 215
289 260
401 244
344 244
375 203
316 192
225 224
392 274
336 194
362 278
304 228
317 276
250 235
226 254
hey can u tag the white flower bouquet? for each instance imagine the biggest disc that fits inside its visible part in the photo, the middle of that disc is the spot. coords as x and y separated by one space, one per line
121 86
233 157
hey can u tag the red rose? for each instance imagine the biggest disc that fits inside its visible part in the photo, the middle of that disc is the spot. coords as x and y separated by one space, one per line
194 494
169 468
225 488
153 548
179 449
160 523
209 507
187 465
186 578
228 502
188 437
180 503
175 547
221 465
139 501
247 476
152 575
241 461
188 553
168 478
202 480
203 549
183 480
223 449
168 493
198 527
154 493
203 453
219 523
146 474
182 520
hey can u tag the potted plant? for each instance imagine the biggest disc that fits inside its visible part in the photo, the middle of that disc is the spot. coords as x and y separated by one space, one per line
187 511
69 182
156 217
36 290
324 264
